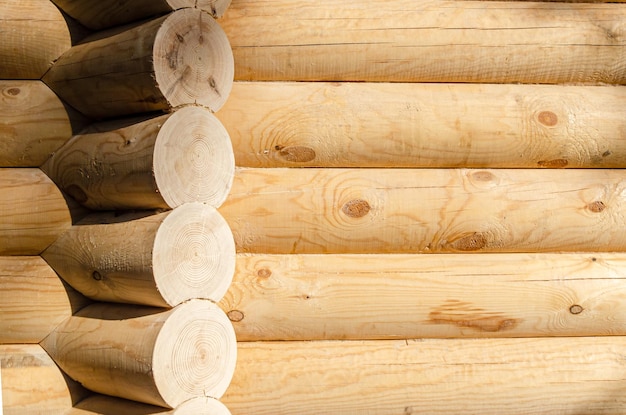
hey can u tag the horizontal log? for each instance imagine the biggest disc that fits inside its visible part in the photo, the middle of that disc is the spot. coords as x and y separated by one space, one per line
34 35
150 355
281 211
147 163
33 300
422 41
32 384
476 376
179 59
153 259
34 212
107 405
292 124
102 14
335 297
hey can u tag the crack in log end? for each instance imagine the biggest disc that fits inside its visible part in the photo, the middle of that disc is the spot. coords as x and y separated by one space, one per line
264 273
464 315
472 242
596 207
356 208
548 118
235 316
553 164
296 154
213 85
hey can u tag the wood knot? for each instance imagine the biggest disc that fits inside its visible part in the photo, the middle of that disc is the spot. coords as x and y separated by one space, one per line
356 208
548 118
235 315
264 273
96 276
471 242
13 91
553 164
296 154
483 176
575 309
597 206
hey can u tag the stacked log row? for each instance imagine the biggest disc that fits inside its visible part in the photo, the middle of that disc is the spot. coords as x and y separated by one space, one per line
497 245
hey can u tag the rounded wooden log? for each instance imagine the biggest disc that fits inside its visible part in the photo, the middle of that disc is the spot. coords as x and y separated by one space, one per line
313 124
33 300
161 259
179 59
155 356
107 405
33 123
313 211
335 297
422 41
390 377
102 14
32 384
34 212
159 162
34 35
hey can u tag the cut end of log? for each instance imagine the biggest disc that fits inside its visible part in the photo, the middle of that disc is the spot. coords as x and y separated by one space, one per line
195 353
194 254
193 159
193 61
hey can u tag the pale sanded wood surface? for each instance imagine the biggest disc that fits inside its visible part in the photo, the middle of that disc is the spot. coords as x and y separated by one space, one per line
146 354
33 123
34 34
160 259
426 210
306 124
34 212
101 14
146 163
413 41
107 405
567 376
32 384
182 58
329 297
33 300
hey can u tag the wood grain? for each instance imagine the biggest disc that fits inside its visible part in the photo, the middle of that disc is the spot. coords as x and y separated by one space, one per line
425 41
319 124
566 376
314 211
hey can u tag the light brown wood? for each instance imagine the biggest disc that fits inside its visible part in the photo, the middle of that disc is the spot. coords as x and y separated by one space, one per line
34 212
305 124
426 210
138 163
102 14
330 297
568 376
179 59
33 300
154 259
425 41
34 34
107 405
33 123
32 384
150 355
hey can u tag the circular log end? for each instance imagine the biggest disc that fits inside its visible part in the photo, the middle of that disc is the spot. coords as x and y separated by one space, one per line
194 255
195 353
193 159
193 60
202 406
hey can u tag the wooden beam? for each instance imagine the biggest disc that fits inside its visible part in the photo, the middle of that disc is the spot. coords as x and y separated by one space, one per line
179 59
422 41
319 124
33 300
159 259
568 376
32 384
426 210
377 296
147 163
34 212
107 405
102 14
34 35
150 355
